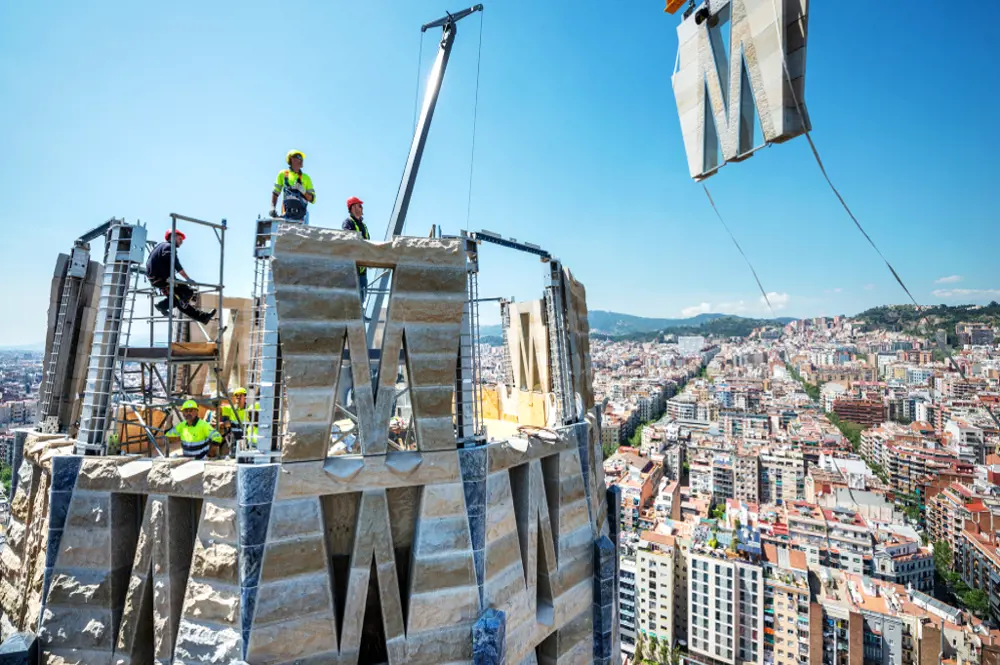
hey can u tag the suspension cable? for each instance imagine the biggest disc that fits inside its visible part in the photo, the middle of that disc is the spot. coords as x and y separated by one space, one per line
475 116
742 253
819 162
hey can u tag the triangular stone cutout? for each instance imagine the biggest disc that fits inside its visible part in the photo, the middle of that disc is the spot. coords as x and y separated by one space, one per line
339 516
519 490
404 507
373 642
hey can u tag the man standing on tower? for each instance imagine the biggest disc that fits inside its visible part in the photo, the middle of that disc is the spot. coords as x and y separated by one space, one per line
355 222
296 188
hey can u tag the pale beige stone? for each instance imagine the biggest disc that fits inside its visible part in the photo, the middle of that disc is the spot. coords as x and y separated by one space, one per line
216 561
216 603
295 556
202 642
219 480
99 473
73 627
431 573
218 522
310 479
293 597
292 640
298 517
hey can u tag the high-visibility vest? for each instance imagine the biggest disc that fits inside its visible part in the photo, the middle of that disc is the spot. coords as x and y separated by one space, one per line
363 230
195 439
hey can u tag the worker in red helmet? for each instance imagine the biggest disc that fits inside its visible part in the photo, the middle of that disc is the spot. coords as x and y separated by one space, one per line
355 222
161 266
296 189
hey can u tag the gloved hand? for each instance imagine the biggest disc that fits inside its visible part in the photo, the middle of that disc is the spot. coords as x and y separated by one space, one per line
273 213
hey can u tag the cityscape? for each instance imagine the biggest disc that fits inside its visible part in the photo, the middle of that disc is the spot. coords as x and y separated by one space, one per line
813 494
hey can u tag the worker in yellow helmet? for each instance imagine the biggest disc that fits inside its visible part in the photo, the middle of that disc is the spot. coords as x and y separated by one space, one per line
195 434
296 189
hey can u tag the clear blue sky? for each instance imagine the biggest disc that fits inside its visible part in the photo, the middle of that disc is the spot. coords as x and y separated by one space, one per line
142 109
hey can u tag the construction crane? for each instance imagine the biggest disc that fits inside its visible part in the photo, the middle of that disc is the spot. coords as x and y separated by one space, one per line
449 29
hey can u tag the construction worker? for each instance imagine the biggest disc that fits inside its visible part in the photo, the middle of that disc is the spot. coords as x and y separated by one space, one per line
195 434
158 272
296 187
355 222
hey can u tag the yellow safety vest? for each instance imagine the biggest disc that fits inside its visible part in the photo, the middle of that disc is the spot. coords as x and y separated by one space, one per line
195 439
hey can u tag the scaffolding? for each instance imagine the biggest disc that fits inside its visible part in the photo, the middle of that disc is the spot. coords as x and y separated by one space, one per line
64 339
143 364
264 385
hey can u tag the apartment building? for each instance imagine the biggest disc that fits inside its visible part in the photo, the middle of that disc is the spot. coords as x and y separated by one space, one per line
626 595
746 477
947 512
901 559
793 625
867 412
661 581
977 558
726 607
782 476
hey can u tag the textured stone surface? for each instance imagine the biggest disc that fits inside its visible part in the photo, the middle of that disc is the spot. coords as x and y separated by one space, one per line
489 638
764 34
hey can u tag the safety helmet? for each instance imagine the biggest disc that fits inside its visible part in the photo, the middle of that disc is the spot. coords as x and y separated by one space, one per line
190 404
291 153
180 234
351 201
240 391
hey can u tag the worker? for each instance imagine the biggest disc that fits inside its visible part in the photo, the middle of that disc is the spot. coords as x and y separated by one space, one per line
355 222
297 188
195 434
159 272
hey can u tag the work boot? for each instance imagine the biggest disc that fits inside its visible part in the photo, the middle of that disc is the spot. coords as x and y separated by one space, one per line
206 317
163 307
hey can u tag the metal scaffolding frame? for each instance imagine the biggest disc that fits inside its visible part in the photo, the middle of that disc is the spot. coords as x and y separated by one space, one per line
140 366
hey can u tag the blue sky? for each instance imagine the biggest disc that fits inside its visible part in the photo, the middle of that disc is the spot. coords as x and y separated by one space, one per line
142 109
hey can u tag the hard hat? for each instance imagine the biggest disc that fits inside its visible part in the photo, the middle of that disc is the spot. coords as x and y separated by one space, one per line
180 234
240 391
351 201
190 404
288 157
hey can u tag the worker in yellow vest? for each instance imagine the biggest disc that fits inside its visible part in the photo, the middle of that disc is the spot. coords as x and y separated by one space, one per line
196 435
296 189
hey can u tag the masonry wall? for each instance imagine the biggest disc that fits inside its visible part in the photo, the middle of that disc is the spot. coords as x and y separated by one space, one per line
426 556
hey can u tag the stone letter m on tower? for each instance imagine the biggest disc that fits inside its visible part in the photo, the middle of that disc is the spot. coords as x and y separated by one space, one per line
717 85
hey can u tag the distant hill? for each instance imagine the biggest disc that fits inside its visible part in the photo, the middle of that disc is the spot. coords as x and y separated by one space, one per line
928 318
617 325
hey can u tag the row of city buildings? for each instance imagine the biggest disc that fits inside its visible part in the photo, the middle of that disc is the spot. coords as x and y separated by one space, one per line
754 530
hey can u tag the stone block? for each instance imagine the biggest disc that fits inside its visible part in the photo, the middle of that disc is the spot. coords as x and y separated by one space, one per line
292 640
133 475
256 483
78 628
432 369
311 371
218 521
430 279
435 433
438 535
64 472
297 517
58 509
295 556
431 573
309 479
99 473
489 638
253 523
318 303
77 657
219 480
448 645
216 561
251 559
87 587
473 463
442 500
203 642
323 338
19 649
317 271
475 496
215 603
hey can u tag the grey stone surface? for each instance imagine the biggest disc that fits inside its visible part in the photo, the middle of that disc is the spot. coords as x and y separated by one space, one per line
19 649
